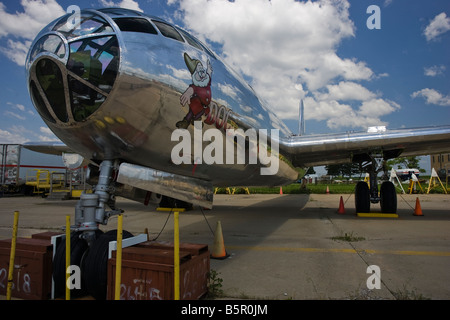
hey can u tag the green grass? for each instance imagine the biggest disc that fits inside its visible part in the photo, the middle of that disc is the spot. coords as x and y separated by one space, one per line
334 188
295 188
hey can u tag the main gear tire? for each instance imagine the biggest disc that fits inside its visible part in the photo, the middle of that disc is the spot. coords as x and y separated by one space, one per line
388 197
362 197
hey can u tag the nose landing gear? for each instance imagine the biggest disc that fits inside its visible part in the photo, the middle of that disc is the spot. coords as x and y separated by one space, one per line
89 245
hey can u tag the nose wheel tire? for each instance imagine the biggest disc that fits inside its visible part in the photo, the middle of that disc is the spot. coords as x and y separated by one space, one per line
95 265
78 249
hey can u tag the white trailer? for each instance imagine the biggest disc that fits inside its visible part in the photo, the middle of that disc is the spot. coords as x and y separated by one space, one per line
19 165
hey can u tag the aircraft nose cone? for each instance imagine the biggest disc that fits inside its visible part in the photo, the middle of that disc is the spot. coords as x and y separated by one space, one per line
72 68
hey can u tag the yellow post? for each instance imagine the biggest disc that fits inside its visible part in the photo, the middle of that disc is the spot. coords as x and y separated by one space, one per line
12 256
119 257
176 257
67 256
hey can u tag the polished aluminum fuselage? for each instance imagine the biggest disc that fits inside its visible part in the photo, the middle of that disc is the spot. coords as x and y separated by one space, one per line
136 121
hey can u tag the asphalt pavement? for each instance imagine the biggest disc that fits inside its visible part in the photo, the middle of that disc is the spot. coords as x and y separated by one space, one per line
290 246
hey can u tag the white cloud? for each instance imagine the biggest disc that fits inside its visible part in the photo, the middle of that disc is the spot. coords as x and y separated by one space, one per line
126 4
19 111
15 134
325 109
434 71
182 74
27 24
439 25
346 90
24 26
376 108
366 108
47 135
432 97
284 46
351 119
14 115
16 51
229 90
19 106
338 114
20 134
9 137
45 131
329 66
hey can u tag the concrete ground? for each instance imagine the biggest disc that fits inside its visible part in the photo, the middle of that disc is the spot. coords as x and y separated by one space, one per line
290 246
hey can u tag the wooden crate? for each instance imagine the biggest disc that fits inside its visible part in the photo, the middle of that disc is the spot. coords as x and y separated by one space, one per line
32 277
148 272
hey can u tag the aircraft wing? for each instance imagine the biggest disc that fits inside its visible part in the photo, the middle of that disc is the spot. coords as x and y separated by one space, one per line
316 150
53 147
323 149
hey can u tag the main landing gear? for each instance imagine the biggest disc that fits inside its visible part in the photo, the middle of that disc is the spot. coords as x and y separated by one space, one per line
364 196
88 244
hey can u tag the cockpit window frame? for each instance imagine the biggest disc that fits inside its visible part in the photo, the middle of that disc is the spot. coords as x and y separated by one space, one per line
152 28
42 41
161 25
39 93
190 39
74 78
187 36
85 17
118 12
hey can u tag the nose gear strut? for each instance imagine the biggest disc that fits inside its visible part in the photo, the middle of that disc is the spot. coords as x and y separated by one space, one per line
91 210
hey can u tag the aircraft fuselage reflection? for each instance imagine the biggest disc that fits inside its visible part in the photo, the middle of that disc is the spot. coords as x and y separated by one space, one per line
110 88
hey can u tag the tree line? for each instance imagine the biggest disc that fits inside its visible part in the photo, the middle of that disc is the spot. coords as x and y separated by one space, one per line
347 170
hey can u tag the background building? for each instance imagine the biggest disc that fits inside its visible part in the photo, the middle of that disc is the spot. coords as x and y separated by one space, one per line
441 162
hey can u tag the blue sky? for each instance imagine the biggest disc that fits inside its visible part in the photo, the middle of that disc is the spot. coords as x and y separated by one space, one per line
348 75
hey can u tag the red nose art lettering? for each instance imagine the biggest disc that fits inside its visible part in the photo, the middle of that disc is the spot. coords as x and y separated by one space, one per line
218 116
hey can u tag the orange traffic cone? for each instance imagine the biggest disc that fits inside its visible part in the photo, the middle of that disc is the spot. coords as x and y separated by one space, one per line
341 209
418 209
328 190
218 251
281 190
